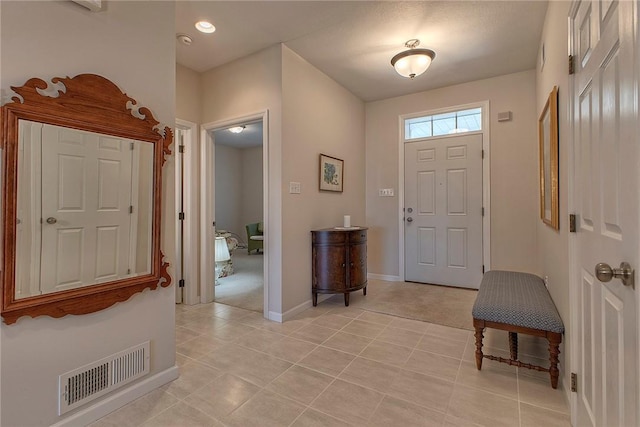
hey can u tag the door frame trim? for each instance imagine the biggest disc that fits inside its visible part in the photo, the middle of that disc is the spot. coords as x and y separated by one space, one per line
207 197
486 179
572 340
190 184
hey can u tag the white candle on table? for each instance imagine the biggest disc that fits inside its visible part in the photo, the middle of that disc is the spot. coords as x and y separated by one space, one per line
347 221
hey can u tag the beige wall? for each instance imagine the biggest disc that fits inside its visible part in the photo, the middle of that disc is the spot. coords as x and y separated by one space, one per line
132 44
252 194
553 245
188 94
251 85
238 188
228 181
514 188
318 116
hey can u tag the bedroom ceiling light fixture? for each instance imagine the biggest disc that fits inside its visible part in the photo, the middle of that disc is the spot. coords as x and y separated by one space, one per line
412 62
205 27
237 129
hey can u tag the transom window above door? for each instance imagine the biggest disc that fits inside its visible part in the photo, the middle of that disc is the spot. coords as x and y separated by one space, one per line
443 124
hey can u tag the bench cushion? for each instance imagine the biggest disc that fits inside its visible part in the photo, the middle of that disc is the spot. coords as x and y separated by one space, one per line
519 299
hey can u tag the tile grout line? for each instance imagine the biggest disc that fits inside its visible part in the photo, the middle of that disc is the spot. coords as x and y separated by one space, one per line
518 396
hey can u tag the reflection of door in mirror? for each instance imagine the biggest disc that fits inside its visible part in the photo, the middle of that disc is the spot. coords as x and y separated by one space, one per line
84 208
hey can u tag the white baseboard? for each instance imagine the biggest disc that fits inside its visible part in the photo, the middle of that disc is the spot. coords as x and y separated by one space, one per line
275 317
385 277
281 317
117 400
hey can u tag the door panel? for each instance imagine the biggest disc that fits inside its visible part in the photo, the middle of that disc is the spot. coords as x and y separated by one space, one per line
606 153
70 256
427 193
457 248
443 200
358 265
427 246
331 260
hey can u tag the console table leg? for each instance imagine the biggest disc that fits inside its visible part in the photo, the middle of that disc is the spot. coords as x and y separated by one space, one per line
315 299
346 299
479 336
364 291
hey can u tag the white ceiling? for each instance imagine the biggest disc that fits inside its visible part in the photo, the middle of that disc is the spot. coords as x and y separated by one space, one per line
353 41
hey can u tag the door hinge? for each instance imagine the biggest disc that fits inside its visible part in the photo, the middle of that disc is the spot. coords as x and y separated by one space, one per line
574 382
181 283
131 146
483 211
571 64
180 216
131 209
572 223
483 269
482 155
128 271
181 149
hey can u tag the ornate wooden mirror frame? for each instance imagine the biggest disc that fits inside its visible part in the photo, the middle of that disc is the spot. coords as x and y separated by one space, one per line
87 102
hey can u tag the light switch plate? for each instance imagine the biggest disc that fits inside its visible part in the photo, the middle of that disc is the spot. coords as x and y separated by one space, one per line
294 188
385 192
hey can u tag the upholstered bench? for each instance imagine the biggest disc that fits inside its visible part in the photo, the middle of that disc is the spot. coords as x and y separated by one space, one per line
517 303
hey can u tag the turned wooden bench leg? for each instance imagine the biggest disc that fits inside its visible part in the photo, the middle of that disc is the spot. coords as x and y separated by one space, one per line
554 350
479 336
513 345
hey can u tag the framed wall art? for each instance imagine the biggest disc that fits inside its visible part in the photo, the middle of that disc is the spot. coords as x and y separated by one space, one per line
331 173
548 138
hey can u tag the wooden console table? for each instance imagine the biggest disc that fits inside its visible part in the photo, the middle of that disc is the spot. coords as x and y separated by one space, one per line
339 261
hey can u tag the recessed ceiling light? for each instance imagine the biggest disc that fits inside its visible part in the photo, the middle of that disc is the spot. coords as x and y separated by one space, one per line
205 27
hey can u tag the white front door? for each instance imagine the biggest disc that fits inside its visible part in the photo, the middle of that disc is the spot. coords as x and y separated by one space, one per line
606 180
443 211
85 208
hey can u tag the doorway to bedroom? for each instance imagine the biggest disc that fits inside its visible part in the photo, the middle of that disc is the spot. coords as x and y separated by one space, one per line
238 211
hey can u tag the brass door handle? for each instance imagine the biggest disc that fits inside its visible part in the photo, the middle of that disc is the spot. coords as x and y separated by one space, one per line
625 273
51 220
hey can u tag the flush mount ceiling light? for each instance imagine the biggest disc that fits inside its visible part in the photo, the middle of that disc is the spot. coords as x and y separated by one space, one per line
205 27
412 62
236 129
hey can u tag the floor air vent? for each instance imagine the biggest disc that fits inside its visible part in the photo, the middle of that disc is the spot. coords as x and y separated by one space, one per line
91 381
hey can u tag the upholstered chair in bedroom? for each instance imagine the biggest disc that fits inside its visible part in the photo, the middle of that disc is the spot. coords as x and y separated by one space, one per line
255 237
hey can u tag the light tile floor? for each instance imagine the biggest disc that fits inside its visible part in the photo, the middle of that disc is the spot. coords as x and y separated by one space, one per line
336 366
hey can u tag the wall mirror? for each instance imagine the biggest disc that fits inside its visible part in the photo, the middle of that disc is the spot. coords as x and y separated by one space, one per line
82 173
548 139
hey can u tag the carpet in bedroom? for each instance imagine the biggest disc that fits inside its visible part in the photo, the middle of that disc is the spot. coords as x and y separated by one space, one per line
244 288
